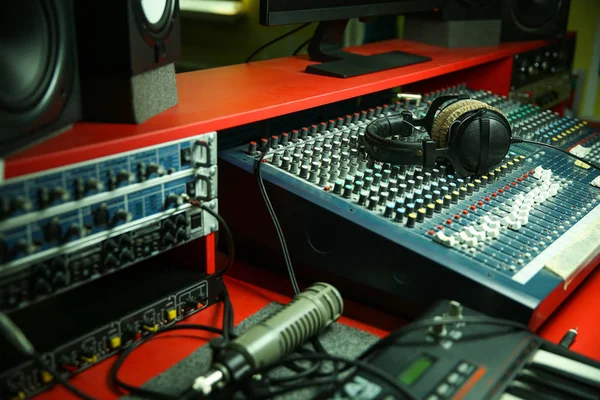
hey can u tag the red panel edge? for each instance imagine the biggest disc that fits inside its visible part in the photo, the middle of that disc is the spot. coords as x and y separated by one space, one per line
180 122
558 295
209 242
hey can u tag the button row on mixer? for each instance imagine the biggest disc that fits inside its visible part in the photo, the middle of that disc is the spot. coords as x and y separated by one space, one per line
513 215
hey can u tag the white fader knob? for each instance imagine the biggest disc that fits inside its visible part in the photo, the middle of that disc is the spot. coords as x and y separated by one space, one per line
455 309
438 328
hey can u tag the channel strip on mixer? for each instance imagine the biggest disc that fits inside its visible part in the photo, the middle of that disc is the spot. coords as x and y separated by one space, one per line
500 233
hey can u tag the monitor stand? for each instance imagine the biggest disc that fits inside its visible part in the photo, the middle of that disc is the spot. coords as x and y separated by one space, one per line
326 47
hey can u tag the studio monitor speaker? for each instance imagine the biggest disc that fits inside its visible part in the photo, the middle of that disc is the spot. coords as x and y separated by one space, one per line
534 19
39 86
521 19
126 52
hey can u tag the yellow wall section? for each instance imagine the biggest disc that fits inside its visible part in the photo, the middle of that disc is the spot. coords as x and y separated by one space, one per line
212 44
583 19
208 44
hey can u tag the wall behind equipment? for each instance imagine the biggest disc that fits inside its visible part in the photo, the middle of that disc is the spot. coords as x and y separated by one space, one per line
209 43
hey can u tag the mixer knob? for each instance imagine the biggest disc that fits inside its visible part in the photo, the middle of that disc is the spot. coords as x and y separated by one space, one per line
43 197
21 247
182 220
126 256
93 184
168 240
74 231
411 220
41 270
154 168
111 246
101 215
59 194
53 231
20 204
60 280
41 287
438 329
120 216
168 225
124 176
182 235
455 309
173 199
125 241
110 262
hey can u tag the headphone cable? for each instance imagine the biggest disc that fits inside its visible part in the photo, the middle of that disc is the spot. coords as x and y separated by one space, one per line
583 160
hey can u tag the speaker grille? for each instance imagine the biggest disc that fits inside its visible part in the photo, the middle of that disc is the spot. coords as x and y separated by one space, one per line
535 14
28 40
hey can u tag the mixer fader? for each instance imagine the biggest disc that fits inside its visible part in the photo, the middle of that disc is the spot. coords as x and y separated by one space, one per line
509 233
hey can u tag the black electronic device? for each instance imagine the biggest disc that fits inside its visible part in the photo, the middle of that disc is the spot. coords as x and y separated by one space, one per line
534 19
333 15
543 76
474 358
126 53
468 10
81 328
39 84
472 135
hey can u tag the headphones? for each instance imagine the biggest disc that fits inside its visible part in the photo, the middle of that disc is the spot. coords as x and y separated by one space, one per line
472 135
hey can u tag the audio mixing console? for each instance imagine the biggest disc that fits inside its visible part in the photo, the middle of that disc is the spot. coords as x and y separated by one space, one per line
63 227
503 242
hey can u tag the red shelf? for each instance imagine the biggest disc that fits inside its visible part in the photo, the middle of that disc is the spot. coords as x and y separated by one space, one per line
221 98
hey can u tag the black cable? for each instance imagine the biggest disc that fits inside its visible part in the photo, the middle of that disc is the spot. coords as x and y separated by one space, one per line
228 234
15 336
426 323
139 391
286 254
301 47
228 319
371 369
591 164
277 39
280 236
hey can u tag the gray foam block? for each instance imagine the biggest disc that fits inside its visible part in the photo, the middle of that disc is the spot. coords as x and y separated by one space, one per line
340 340
453 34
129 99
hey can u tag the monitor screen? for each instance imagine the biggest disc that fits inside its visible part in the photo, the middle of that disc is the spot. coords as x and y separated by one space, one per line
281 12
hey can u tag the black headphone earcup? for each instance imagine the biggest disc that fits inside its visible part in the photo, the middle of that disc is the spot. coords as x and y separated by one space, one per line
477 152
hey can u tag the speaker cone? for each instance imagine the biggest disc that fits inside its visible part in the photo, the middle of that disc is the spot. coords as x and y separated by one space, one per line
534 14
154 16
28 53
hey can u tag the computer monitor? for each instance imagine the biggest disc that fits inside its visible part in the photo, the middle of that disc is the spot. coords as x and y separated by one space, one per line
333 16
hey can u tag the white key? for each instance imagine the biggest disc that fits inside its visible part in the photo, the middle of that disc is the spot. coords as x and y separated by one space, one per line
523 217
492 233
471 231
527 208
515 225
494 224
527 202
546 176
541 198
472 242
506 221
463 237
537 172
480 236
442 238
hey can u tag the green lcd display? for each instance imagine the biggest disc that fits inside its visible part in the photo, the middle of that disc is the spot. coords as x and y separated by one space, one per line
415 370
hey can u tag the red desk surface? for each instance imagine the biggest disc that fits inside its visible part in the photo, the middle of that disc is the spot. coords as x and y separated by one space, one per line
226 97
581 310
